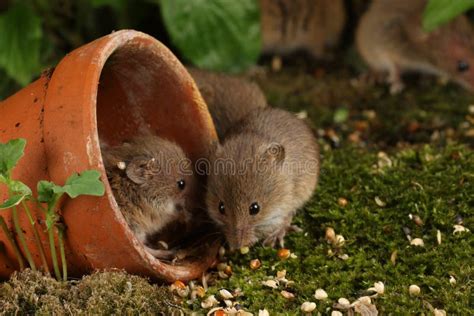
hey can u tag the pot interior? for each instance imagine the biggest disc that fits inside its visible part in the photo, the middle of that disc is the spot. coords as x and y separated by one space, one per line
140 92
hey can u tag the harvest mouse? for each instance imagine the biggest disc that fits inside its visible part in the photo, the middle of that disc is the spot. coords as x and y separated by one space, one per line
151 179
308 25
265 169
228 97
391 39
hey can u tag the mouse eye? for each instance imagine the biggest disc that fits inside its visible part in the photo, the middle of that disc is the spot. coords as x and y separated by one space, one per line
463 66
221 207
254 208
181 184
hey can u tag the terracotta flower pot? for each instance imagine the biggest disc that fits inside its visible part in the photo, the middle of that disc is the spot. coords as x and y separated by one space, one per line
112 88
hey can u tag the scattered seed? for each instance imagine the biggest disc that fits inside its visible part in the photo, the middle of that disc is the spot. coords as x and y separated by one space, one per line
281 274
459 229
393 257
330 235
244 250
438 236
222 275
255 264
308 307
302 115
320 294
228 303
270 283
378 287
342 201
336 313
198 291
452 280
121 165
417 219
414 290
379 202
221 251
340 240
417 242
209 302
383 162
287 295
225 294
221 266
293 256
276 63
283 253
178 285
263 312
228 270
343 257
365 300
439 312
471 108
344 302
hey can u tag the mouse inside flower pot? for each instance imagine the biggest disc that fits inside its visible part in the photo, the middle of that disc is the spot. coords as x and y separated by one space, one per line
153 183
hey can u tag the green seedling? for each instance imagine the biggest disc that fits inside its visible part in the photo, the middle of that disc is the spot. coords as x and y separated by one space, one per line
18 192
85 183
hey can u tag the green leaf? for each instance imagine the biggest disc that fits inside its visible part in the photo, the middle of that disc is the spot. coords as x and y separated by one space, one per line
438 12
46 192
20 42
218 35
12 201
19 187
85 183
10 153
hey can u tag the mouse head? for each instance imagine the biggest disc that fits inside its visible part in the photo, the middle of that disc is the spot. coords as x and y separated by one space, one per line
453 49
247 189
162 176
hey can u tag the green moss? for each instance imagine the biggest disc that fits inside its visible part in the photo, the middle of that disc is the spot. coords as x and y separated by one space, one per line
102 293
436 184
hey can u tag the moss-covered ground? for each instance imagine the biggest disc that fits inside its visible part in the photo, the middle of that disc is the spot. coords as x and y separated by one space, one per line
383 158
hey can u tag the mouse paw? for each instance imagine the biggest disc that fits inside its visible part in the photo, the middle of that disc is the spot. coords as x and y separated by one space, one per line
279 237
163 254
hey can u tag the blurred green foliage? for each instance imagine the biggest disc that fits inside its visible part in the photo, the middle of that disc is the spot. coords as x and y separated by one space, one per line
219 35
36 34
438 12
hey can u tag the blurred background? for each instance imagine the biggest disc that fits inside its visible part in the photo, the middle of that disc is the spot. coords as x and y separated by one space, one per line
223 35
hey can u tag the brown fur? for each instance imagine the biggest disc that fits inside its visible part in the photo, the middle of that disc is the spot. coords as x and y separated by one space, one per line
391 40
308 25
146 190
229 98
268 149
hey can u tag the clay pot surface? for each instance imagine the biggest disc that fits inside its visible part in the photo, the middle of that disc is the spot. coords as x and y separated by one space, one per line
110 89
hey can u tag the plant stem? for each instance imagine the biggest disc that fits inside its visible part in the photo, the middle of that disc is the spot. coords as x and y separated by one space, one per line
10 238
39 245
62 251
52 245
16 223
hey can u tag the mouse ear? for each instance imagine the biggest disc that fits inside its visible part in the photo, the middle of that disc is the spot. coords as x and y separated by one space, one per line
140 170
274 153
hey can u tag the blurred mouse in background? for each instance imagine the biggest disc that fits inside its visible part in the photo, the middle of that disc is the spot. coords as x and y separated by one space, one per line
391 39
313 26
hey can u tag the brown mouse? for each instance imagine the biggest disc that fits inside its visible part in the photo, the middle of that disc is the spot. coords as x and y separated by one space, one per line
151 178
265 169
228 97
313 26
391 39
